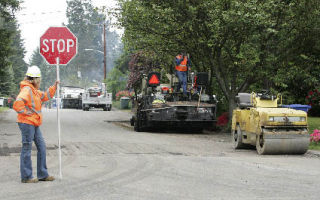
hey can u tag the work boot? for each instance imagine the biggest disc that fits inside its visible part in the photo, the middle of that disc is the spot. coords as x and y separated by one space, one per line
33 180
49 178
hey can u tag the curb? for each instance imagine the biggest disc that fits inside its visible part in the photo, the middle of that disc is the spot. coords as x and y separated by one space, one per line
314 152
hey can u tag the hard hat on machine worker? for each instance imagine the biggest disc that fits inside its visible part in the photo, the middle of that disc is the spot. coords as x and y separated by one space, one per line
33 71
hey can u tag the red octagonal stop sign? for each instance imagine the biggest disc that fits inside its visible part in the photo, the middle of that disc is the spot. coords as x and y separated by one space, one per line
58 42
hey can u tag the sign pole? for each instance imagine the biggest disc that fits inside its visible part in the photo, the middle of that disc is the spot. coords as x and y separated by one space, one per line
58 116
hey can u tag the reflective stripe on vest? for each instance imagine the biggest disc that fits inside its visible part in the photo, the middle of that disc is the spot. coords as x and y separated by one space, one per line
48 94
29 111
20 99
42 96
33 108
21 111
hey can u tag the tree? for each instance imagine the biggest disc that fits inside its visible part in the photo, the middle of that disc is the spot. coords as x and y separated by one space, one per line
299 60
12 65
19 66
116 81
240 42
7 82
82 18
48 72
118 76
140 63
87 24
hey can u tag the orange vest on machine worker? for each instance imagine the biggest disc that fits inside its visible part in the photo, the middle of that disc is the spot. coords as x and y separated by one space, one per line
29 101
183 65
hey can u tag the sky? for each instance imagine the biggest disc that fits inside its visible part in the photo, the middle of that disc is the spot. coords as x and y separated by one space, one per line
36 16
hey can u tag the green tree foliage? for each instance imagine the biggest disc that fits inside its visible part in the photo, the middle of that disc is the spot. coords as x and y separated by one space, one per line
12 65
48 72
82 18
122 63
7 82
87 24
242 43
117 77
19 66
116 81
300 55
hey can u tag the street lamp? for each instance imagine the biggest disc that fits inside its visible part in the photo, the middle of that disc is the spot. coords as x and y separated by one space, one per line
104 48
104 61
94 50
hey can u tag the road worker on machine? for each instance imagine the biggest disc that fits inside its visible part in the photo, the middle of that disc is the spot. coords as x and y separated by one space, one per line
28 106
183 64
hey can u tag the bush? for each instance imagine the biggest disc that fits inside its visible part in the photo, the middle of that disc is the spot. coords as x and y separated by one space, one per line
315 136
313 99
223 119
124 93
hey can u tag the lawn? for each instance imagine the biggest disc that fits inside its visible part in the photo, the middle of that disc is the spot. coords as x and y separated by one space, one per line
116 104
3 109
314 123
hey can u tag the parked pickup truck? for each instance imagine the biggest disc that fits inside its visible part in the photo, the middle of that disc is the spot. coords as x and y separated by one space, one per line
97 97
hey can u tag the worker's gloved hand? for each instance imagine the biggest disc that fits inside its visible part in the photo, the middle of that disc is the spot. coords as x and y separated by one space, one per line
56 83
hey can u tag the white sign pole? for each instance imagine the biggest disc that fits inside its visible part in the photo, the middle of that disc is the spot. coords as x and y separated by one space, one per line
58 116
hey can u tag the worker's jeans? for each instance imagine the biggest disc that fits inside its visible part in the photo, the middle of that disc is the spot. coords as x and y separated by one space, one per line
29 134
182 76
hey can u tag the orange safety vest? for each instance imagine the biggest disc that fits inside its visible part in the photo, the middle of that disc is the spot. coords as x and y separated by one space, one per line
183 65
29 102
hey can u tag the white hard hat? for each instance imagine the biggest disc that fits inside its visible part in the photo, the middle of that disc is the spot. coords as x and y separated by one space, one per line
33 71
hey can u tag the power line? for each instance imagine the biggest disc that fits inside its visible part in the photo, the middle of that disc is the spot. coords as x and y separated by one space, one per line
35 22
41 13
37 16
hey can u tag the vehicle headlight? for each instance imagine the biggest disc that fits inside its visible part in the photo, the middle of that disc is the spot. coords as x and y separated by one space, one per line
302 119
271 119
204 110
286 119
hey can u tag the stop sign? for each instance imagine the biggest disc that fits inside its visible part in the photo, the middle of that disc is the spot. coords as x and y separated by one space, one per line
58 42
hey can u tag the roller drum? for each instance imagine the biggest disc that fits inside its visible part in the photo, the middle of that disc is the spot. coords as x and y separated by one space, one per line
282 144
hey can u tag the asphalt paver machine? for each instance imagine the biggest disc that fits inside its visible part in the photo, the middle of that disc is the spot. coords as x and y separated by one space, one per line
160 106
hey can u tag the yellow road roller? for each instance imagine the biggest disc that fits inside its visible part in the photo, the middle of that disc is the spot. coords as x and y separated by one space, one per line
259 121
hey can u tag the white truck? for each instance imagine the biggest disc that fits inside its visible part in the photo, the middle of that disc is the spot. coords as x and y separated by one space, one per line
71 96
97 97
1 101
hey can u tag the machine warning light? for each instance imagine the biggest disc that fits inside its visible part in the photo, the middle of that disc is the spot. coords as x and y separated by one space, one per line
154 79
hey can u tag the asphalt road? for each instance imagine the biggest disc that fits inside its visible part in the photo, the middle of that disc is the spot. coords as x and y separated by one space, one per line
108 160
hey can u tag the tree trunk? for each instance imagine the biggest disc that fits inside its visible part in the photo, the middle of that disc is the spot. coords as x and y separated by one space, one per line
232 105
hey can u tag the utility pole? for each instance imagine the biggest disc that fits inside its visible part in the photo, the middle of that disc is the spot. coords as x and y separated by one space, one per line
105 50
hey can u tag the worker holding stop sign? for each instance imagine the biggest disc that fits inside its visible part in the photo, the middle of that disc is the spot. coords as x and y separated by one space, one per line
58 45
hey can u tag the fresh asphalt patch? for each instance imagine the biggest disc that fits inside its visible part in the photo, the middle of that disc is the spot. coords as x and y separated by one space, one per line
6 150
